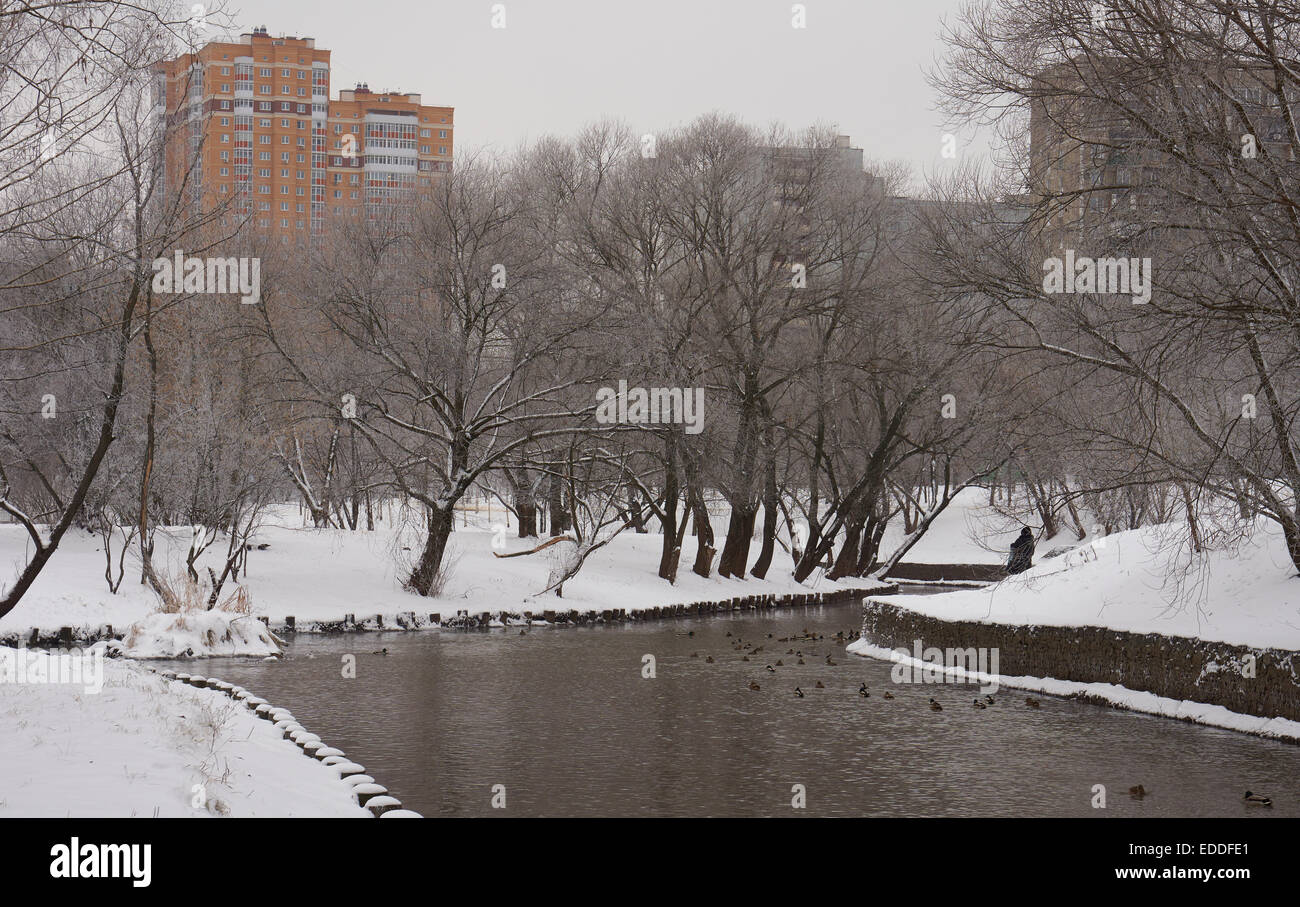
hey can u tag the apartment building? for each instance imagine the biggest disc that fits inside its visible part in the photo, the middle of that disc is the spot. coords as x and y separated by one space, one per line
253 134
1095 165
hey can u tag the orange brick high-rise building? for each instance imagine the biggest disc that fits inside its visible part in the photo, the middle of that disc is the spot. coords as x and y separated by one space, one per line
252 131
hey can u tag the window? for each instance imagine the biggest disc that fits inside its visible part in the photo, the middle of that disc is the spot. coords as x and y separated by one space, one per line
225 138
225 121
442 133
264 72
264 89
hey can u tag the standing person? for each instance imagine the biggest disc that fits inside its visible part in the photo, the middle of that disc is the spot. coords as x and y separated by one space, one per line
1022 553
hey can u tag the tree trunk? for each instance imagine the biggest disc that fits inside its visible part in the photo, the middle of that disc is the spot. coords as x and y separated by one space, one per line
424 577
770 517
671 553
740 532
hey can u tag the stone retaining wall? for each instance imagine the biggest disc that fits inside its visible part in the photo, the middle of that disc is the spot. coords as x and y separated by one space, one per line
1172 666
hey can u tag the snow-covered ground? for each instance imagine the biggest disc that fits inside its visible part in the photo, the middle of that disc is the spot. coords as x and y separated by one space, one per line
968 532
1145 581
323 575
144 746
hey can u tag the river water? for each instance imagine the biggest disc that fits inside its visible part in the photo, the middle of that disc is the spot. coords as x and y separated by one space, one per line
565 720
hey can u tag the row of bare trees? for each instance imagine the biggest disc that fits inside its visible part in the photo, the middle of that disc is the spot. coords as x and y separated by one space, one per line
862 357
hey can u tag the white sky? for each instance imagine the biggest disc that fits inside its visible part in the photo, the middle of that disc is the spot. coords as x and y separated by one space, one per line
559 64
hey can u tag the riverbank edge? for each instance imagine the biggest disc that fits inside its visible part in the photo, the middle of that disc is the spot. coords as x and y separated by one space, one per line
35 637
374 798
1178 677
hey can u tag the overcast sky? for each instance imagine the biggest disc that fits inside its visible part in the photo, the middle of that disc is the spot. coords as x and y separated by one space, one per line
559 64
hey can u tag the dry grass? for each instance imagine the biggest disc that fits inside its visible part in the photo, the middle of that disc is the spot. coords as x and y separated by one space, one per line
177 595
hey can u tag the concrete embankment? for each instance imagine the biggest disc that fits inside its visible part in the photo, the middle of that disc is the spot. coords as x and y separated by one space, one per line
1243 679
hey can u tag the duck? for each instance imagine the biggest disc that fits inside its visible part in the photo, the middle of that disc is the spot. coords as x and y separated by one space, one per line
801 661
1257 798
744 658
780 663
888 695
709 660
980 705
989 700
753 686
820 685
862 690
383 651
771 670
798 693
829 662
934 706
1032 702
1137 792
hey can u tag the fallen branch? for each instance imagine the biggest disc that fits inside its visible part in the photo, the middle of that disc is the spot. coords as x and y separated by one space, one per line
546 544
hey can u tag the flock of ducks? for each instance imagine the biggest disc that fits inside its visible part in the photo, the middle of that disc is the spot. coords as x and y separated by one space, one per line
1137 792
840 638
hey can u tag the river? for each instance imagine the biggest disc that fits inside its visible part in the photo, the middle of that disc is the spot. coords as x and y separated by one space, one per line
565 720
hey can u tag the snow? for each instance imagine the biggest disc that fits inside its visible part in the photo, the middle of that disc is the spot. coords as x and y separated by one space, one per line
323 575
967 532
1145 581
139 748
1121 697
197 634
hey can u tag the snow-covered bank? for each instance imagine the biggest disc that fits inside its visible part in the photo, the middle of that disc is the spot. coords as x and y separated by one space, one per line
323 575
1118 696
1141 582
145 746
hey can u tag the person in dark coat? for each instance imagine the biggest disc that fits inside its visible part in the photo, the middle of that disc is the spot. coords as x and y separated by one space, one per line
1022 553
